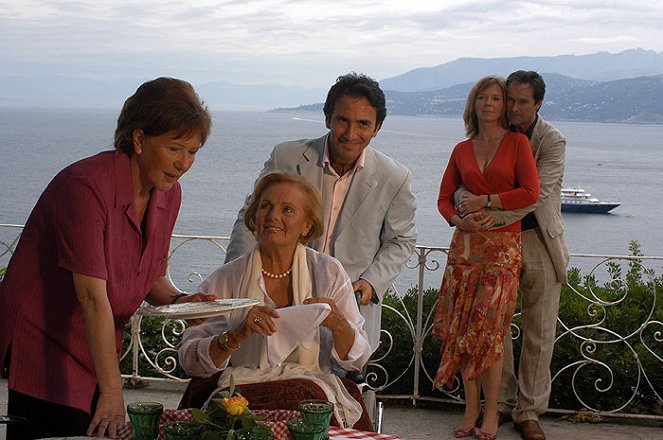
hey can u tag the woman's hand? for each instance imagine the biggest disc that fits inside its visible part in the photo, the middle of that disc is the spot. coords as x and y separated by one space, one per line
335 319
477 221
260 319
196 297
342 332
109 415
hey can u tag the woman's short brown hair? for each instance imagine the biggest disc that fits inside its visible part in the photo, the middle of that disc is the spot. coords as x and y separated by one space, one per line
470 113
160 106
313 202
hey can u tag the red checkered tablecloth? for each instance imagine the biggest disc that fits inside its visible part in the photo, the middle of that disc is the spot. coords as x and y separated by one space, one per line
275 418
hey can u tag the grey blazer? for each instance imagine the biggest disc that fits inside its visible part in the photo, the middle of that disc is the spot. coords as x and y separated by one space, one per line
549 145
375 232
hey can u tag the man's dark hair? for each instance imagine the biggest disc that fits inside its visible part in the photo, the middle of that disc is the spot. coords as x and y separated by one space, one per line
529 77
357 85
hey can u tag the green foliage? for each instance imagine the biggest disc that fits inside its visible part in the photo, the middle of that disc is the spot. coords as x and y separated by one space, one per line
609 337
400 357
613 359
153 343
220 422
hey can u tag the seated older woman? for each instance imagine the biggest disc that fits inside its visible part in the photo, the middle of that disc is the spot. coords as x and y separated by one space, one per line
307 322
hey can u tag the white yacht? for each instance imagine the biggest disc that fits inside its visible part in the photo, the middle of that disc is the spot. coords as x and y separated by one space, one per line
579 200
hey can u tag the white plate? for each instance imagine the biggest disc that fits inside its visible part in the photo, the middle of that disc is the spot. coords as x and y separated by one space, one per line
195 310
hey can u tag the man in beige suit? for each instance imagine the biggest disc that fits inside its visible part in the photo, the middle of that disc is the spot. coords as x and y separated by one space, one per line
368 204
544 261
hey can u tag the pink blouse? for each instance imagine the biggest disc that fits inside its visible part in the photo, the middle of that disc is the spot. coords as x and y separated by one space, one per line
85 222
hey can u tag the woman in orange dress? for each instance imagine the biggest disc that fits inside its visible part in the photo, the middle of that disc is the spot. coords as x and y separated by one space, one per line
480 284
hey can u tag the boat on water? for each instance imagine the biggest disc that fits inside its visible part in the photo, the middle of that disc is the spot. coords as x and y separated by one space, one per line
579 200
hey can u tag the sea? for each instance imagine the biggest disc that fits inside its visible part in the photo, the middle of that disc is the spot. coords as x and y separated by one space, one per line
615 162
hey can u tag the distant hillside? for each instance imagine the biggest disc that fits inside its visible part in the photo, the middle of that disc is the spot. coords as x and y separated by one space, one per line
44 91
601 66
635 100
620 87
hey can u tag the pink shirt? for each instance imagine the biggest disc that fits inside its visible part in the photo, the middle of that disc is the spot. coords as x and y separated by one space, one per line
85 222
335 189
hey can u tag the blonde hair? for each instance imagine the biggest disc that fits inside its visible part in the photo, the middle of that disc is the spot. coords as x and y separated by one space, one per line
470 113
313 202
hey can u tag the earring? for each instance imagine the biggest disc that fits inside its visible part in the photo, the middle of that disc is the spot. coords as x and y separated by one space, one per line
139 152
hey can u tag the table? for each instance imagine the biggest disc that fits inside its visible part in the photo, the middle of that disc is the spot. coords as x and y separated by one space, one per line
277 419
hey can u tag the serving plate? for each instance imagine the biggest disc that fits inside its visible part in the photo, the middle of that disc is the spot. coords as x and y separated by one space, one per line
197 310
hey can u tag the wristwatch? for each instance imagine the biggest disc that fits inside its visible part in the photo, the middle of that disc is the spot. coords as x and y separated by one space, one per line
488 201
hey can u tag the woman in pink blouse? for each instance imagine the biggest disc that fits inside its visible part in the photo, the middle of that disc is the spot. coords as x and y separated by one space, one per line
94 247
480 284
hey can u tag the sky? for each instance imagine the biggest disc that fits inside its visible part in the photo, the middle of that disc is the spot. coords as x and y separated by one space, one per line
306 43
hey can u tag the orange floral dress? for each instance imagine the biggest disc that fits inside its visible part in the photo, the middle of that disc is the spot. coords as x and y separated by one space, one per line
477 300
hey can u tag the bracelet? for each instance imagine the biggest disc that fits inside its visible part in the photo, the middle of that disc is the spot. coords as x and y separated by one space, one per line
488 201
178 296
224 343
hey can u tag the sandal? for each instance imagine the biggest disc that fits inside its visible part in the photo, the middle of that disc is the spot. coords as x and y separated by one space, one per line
460 431
483 435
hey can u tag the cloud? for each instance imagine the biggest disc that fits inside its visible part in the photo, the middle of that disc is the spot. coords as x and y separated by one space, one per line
308 41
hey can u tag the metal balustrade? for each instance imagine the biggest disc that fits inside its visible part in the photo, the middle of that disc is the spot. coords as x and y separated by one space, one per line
606 288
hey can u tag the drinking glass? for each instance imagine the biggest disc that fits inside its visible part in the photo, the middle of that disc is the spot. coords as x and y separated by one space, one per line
317 412
254 433
182 430
144 417
300 430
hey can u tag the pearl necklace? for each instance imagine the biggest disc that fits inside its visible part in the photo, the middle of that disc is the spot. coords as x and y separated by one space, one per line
276 275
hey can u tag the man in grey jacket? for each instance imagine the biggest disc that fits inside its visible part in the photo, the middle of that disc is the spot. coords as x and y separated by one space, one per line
368 205
545 258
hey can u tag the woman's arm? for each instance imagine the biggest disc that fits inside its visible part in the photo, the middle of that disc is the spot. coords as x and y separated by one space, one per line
349 342
342 332
99 324
165 292
207 348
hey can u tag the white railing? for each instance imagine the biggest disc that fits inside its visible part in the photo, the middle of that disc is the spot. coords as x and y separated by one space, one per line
609 340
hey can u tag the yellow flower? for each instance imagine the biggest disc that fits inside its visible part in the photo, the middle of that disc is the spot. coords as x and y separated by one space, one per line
234 406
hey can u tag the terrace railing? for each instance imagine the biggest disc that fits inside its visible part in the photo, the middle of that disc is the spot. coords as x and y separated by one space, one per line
605 290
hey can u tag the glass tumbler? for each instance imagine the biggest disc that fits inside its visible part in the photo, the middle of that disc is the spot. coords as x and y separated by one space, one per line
299 430
317 412
182 430
254 433
144 417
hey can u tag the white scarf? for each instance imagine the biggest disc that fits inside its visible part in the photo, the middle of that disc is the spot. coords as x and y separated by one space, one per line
293 352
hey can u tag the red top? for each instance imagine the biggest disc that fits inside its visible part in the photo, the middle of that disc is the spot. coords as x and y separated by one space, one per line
85 222
511 174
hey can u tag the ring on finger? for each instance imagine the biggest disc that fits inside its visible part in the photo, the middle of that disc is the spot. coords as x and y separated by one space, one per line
257 319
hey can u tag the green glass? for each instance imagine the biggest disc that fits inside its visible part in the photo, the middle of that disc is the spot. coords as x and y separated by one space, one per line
183 430
144 417
254 433
317 412
300 430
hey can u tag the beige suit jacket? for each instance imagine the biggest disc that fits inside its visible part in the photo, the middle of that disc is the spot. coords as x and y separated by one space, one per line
549 146
375 232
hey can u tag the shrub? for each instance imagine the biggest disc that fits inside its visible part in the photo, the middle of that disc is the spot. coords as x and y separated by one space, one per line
609 349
